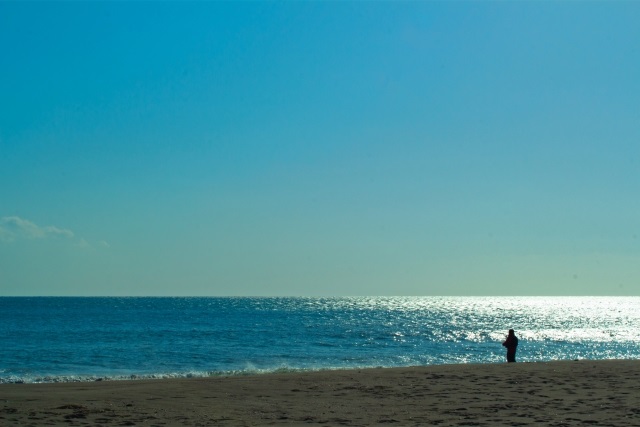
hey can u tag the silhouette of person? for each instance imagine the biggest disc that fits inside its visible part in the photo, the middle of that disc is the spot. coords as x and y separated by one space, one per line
511 343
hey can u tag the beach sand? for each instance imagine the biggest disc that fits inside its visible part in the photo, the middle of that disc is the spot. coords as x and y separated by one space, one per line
567 393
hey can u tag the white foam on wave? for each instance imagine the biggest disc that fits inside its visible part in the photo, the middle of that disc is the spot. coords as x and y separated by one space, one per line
42 379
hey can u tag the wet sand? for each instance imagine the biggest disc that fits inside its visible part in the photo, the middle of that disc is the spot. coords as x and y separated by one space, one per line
600 393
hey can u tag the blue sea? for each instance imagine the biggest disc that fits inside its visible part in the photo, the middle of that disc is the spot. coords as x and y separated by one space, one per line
85 339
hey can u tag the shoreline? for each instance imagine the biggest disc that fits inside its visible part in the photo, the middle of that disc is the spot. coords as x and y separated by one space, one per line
83 379
597 392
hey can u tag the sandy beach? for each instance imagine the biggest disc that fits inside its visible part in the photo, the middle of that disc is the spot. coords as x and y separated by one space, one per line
565 393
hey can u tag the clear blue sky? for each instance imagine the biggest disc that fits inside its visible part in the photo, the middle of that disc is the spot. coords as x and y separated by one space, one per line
320 148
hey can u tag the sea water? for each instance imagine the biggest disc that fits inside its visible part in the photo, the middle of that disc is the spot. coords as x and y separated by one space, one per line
83 339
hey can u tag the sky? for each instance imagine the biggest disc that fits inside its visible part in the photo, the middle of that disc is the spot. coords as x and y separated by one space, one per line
319 148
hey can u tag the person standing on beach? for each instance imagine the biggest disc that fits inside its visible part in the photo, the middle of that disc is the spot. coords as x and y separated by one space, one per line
511 343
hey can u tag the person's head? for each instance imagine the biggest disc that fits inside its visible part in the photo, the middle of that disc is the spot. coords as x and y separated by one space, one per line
511 332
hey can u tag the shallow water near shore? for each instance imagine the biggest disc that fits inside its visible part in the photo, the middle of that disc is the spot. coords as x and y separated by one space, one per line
83 339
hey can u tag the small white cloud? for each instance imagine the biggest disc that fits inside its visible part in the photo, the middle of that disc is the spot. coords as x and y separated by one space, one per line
60 232
14 227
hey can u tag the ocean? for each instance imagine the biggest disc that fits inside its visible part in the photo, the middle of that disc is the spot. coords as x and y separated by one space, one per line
58 339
